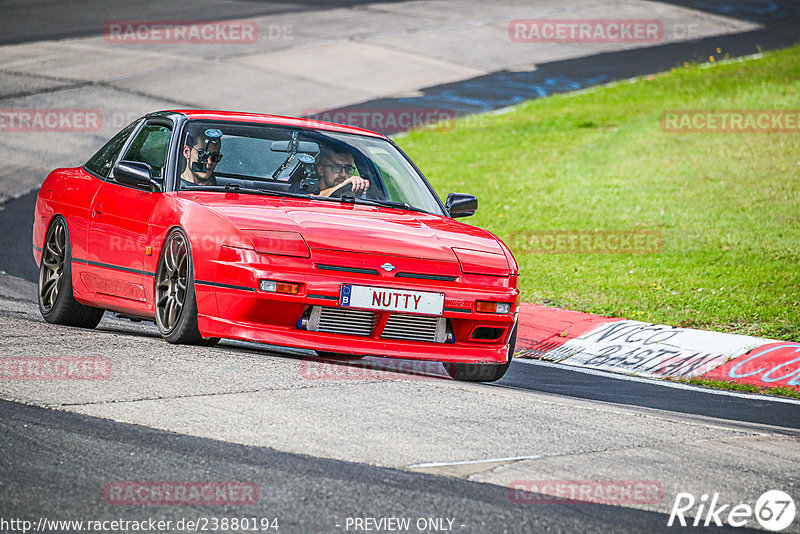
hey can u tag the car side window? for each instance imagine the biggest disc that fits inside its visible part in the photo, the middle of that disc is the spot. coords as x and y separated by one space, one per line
150 146
102 162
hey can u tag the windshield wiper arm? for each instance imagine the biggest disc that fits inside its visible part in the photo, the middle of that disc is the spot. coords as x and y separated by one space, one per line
350 199
235 188
385 203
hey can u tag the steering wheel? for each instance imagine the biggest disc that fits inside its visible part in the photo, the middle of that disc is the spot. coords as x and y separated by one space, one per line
345 189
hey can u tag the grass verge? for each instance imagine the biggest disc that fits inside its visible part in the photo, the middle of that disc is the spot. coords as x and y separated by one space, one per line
725 204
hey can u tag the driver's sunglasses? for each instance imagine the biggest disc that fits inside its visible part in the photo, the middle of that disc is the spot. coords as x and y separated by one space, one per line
336 169
213 156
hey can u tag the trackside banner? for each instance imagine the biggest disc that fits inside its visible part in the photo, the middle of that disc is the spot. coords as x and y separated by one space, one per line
660 351
646 349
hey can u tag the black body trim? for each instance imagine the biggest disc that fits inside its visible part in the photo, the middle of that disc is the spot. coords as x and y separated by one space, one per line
422 276
323 267
226 286
325 297
114 267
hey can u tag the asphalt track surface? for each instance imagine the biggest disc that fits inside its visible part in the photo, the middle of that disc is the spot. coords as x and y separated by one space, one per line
16 222
25 21
63 461
607 387
60 461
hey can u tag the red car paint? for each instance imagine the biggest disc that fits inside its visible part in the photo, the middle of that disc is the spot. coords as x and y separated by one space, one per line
117 232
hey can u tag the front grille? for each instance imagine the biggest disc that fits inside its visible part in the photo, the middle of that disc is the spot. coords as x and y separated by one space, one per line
415 328
344 269
341 321
423 276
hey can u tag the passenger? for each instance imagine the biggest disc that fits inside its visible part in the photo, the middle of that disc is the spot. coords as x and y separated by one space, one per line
202 155
335 170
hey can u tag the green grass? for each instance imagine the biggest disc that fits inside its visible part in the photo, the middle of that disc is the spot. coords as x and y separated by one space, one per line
727 204
782 391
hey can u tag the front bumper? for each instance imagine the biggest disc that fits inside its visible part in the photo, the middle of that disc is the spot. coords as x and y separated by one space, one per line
233 306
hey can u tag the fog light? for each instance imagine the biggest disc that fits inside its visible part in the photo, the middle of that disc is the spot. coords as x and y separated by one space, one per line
487 333
273 286
492 307
269 285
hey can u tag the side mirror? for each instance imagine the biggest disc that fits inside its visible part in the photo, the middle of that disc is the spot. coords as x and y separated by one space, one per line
136 174
461 205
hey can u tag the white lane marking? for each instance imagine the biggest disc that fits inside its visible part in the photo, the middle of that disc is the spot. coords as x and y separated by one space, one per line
468 462
665 383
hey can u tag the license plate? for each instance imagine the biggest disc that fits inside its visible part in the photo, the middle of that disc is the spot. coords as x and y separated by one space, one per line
383 298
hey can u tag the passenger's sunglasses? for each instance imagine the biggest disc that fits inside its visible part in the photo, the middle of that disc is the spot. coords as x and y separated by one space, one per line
336 169
212 156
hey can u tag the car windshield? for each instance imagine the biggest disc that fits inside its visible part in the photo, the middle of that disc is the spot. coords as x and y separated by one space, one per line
269 159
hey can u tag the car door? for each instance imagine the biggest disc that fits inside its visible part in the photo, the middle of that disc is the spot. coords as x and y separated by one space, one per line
118 224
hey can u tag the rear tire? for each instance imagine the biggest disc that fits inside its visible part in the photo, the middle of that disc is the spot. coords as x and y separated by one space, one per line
175 302
482 372
57 303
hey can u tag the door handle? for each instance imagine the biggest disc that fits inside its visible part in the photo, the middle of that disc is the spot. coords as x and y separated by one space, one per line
97 211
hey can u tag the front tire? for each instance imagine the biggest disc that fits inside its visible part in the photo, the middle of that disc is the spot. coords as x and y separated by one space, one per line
57 303
175 302
482 372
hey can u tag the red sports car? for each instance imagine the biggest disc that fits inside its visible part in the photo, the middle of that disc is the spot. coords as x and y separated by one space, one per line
278 230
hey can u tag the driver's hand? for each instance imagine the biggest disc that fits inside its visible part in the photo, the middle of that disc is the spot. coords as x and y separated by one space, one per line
358 184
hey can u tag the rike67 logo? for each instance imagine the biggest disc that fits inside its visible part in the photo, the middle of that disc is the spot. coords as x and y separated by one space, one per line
774 510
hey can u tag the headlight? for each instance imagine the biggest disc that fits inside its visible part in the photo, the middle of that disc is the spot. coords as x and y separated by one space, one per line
479 262
278 243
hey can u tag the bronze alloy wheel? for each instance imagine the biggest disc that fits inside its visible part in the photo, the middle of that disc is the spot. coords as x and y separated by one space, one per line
51 274
176 305
57 302
172 282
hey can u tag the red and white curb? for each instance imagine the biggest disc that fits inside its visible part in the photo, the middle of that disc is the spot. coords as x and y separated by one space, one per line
655 351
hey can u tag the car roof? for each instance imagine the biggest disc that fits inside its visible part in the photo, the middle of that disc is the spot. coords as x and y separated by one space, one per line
238 116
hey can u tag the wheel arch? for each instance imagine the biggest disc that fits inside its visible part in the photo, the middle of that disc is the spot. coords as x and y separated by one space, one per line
40 233
206 296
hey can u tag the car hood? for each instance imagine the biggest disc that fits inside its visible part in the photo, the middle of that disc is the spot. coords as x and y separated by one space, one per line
356 228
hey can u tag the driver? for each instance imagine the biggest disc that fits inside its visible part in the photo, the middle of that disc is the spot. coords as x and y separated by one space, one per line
197 171
335 170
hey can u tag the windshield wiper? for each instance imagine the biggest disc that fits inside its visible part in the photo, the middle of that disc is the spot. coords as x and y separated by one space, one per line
384 203
234 188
